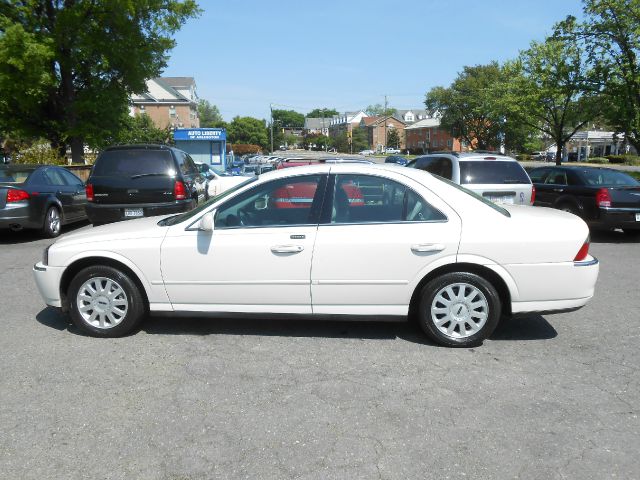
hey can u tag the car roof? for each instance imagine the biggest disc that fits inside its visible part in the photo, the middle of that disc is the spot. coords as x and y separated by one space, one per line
474 155
141 146
344 168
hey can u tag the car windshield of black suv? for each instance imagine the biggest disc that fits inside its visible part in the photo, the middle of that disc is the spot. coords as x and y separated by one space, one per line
135 162
484 172
609 178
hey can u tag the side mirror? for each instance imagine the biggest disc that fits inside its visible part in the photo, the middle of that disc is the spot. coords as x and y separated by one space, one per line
207 221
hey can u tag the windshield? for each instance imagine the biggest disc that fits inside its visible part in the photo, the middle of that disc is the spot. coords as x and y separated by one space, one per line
475 195
491 172
609 178
192 213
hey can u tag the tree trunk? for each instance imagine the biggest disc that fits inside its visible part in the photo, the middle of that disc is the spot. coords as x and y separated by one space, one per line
77 150
560 145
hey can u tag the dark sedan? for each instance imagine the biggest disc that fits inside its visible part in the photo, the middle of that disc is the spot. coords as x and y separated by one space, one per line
398 159
605 198
41 197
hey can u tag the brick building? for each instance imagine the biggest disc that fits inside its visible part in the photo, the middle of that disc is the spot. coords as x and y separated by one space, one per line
378 129
426 136
169 102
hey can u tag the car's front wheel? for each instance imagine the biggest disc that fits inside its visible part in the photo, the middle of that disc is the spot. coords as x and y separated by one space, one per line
105 302
459 309
52 223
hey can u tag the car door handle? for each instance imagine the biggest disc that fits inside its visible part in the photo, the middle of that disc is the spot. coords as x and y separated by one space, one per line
287 248
559 190
427 247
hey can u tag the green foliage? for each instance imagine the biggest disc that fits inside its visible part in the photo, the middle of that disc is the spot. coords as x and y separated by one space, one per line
598 160
39 153
322 113
67 68
320 141
288 118
549 88
624 159
379 110
393 138
469 107
248 130
139 129
359 139
611 33
209 115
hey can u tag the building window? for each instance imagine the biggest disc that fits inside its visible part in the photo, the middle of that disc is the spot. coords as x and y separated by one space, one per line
172 111
450 143
409 117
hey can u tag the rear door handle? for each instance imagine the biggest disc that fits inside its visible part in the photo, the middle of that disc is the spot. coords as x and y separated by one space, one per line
427 247
559 190
287 248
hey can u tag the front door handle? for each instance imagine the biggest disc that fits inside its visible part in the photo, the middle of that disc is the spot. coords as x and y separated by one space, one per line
559 190
427 247
287 248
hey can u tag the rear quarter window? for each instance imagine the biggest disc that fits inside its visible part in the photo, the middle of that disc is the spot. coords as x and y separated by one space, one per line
490 172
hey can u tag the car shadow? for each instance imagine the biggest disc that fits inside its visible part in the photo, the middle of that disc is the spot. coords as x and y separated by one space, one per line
8 237
529 327
532 327
612 236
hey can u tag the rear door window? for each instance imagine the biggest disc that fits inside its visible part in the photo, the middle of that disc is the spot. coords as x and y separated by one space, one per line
442 167
134 162
538 175
489 172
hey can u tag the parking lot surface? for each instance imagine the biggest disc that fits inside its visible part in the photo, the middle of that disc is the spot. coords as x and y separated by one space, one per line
549 397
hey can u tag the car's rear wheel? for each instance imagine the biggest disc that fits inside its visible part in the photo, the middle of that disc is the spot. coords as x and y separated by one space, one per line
105 302
52 223
565 207
459 309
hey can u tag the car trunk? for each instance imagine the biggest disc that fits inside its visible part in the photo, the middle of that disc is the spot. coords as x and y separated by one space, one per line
625 197
498 181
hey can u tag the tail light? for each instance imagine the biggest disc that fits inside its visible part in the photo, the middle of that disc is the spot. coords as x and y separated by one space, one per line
179 190
533 194
88 189
583 252
603 198
15 195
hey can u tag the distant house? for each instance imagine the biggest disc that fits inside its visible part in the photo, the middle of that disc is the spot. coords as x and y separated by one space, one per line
317 126
594 143
426 136
169 102
378 129
411 116
345 122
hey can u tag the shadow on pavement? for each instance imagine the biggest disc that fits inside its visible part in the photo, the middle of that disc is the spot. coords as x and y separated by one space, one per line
531 327
7 237
613 236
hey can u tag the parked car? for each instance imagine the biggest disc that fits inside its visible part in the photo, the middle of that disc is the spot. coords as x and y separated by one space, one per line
367 152
605 198
142 181
496 177
41 197
221 182
391 150
346 240
397 159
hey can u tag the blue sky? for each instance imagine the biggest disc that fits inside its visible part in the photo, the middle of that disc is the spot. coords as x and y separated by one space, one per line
246 54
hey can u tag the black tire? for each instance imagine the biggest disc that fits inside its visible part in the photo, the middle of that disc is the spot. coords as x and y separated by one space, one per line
631 233
124 319
566 207
52 223
478 291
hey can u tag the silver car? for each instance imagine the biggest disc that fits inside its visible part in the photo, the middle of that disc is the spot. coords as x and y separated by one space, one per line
496 177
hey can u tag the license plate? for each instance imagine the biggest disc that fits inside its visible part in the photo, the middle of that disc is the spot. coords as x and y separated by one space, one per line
133 212
637 217
504 199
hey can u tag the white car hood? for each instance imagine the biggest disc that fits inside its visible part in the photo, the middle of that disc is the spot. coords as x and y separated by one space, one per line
129 229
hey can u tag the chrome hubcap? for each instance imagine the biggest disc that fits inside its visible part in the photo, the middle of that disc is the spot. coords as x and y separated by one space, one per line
102 302
459 310
54 220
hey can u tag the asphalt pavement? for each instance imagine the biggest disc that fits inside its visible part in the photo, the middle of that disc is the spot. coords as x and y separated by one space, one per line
552 397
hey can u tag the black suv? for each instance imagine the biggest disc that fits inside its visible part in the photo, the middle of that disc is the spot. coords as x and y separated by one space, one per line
142 181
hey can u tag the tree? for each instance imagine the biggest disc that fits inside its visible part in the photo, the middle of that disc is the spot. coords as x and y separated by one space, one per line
549 88
67 69
248 130
209 115
378 110
140 129
468 107
393 138
611 32
288 118
322 113
359 140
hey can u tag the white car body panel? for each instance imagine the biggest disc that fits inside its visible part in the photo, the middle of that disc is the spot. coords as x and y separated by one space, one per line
340 269
221 183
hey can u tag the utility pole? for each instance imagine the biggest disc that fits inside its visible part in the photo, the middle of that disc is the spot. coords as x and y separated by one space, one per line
384 114
271 123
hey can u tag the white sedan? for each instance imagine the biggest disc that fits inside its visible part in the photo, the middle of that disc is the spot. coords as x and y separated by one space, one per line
328 240
220 183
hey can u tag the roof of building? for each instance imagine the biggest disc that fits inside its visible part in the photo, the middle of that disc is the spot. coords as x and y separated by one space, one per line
159 90
316 123
176 82
426 123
